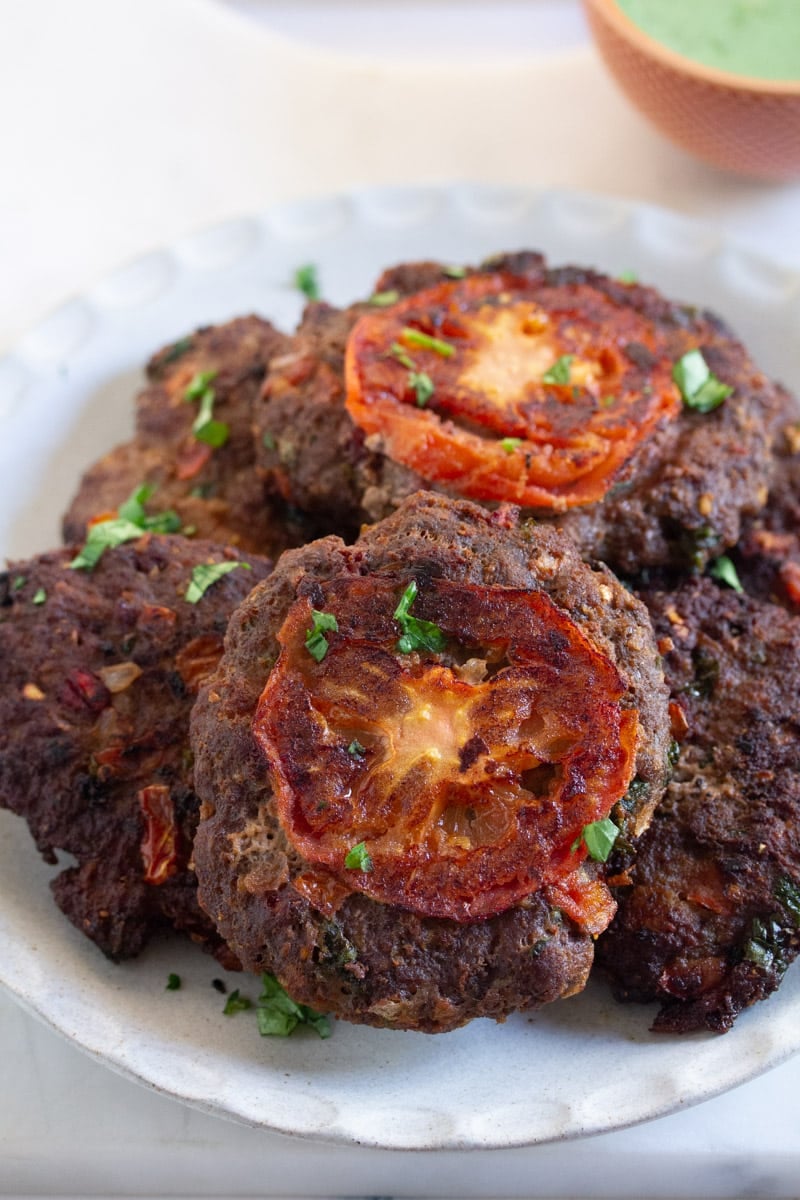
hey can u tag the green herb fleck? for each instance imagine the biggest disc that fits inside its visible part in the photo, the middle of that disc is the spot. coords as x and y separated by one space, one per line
176 351
416 337
173 982
132 510
18 583
278 1015
40 596
205 428
316 642
356 749
236 1004
199 386
101 537
510 444
699 387
628 277
607 401
559 372
673 754
306 281
206 574
358 859
789 895
405 359
598 838
454 272
384 299
637 793
724 570
417 634
268 441
423 386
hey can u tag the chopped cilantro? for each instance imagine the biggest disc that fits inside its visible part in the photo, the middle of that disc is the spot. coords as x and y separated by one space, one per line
356 749
132 510
699 387
176 351
40 596
384 299
19 582
417 634
422 384
236 1003
724 570
278 1015
673 754
510 444
205 428
358 859
306 281
454 272
599 838
316 642
206 574
416 337
173 982
628 277
268 441
402 356
789 895
559 372
101 537
199 386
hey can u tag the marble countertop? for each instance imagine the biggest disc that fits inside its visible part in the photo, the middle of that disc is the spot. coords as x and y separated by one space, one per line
130 124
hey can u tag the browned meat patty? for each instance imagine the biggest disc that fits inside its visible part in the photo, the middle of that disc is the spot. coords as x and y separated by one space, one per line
768 555
98 674
679 499
214 489
712 917
270 856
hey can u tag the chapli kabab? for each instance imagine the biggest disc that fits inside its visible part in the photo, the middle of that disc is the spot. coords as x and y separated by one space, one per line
409 759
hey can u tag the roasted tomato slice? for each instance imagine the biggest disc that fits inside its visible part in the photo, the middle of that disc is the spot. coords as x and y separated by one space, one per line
501 390
452 783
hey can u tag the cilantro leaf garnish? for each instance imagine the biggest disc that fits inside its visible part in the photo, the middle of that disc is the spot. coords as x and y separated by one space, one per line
132 510
278 1015
423 386
402 356
236 1003
416 337
19 582
454 272
40 596
417 634
306 281
356 749
628 277
173 982
510 444
101 537
699 387
723 569
559 372
205 574
598 838
176 351
199 385
384 299
316 642
268 441
358 859
204 427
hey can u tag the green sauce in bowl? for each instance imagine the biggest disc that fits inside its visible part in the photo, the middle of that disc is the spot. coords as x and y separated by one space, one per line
760 38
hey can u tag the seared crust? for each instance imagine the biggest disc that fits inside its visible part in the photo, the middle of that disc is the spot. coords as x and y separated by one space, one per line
679 500
370 962
219 493
79 741
712 917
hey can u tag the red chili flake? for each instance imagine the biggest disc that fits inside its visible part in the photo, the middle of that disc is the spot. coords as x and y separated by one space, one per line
790 577
191 459
198 659
159 844
678 722
85 689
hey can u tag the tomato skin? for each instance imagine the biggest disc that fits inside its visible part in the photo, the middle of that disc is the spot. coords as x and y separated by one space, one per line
159 844
569 439
474 771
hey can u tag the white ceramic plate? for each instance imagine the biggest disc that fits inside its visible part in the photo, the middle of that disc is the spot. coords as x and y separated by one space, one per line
582 1066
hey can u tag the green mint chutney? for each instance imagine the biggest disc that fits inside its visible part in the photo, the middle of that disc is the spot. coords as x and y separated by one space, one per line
748 37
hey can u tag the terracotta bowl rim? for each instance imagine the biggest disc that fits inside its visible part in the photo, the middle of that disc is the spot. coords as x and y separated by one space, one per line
610 11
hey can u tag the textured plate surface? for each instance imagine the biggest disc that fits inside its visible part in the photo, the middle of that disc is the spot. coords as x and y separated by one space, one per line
583 1066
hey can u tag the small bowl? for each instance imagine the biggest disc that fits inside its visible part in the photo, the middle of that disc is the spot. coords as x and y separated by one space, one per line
736 122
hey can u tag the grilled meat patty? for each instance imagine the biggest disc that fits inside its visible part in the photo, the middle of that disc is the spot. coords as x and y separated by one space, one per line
98 674
332 943
712 916
678 499
213 488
